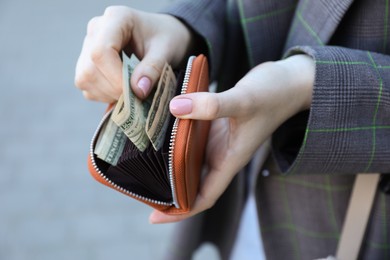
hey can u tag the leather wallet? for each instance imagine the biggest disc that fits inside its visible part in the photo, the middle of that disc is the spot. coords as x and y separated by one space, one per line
167 179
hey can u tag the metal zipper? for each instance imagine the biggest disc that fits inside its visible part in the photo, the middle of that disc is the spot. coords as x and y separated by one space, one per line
116 186
174 133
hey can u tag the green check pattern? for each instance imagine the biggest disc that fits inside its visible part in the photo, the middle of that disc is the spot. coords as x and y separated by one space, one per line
302 221
308 214
350 111
317 153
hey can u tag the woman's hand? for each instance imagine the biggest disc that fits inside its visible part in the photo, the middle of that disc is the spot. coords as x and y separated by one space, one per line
154 38
243 118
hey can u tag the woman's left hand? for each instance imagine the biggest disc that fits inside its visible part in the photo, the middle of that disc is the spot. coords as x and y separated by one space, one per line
243 118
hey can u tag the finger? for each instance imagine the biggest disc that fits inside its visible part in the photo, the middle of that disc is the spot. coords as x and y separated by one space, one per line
93 25
158 217
99 92
97 96
147 72
208 106
84 74
113 34
88 77
108 62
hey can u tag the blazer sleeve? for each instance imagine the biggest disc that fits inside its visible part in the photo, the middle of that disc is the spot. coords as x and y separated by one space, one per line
347 129
207 19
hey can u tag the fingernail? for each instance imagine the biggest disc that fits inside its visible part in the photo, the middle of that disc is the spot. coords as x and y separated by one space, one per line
181 106
144 84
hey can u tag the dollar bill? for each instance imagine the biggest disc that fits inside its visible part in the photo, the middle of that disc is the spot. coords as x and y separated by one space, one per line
130 112
158 116
110 143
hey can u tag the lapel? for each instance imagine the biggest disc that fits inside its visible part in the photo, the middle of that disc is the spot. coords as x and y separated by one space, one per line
313 22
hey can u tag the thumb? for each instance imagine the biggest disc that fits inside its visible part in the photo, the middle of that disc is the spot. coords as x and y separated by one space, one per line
205 105
146 74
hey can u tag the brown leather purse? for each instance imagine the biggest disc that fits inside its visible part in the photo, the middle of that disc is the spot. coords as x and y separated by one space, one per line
167 179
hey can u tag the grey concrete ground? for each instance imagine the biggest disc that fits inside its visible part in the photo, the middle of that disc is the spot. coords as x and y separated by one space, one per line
50 207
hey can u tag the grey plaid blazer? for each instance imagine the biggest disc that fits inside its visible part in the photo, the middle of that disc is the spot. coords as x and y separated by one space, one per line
315 154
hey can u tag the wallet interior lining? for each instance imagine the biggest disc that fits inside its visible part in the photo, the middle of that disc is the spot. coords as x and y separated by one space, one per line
144 173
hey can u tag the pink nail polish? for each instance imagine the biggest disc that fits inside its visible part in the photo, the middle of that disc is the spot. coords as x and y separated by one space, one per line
181 106
144 84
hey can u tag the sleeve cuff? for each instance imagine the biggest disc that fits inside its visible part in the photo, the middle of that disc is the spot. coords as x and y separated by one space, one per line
345 129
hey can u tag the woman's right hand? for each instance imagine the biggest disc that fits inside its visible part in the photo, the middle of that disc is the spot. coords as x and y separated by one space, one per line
153 38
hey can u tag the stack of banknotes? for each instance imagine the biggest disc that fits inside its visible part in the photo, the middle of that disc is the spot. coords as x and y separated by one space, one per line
144 122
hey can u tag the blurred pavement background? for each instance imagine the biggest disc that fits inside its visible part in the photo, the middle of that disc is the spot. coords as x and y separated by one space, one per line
50 207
